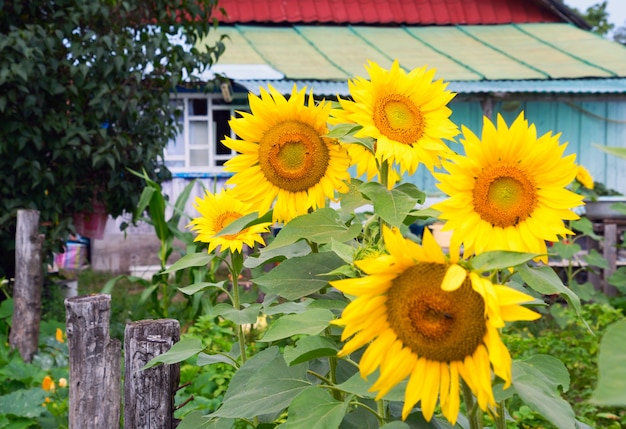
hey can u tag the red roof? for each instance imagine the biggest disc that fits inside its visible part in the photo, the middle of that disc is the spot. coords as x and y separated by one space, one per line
425 12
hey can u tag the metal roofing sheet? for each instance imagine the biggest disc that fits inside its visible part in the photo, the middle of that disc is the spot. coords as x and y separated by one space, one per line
561 86
583 45
459 53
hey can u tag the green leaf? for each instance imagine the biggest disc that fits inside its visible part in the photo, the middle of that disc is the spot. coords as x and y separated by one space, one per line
595 259
618 279
6 308
24 402
190 260
553 371
179 352
308 348
299 248
320 226
239 224
197 287
263 385
344 251
611 389
199 420
585 226
612 150
315 408
396 425
353 199
240 317
545 281
566 251
358 386
207 359
311 322
342 130
392 206
500 259
301 276
536 381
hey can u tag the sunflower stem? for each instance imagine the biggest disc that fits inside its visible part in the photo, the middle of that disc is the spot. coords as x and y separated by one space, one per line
236 265
500 421
381 406
470 407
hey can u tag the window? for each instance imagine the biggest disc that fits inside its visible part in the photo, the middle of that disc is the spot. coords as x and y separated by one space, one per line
198 147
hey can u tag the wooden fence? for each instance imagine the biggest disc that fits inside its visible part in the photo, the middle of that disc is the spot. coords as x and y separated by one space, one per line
95 376
96 394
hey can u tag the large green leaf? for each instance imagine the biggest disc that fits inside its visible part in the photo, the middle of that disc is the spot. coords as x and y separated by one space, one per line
611 389
315 408
263 385
500 259
299 248
536 381
24 402
308 348
612 150
180 351
392 206
246 315
197 287
301 276
321 226
190 260
311 322
199 420
361 387
545 281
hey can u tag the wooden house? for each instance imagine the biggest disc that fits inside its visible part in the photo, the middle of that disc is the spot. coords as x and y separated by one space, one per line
500 56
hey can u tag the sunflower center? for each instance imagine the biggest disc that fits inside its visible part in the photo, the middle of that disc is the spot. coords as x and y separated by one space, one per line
504 195
399 119
293 156
435 324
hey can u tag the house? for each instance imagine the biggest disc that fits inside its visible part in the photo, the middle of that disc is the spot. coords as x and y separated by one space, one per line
500 56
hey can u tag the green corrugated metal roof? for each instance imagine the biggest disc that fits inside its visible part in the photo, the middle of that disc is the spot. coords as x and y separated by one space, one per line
530 52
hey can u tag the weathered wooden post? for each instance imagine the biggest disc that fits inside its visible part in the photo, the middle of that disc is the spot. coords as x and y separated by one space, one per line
149 394
95 376
28 284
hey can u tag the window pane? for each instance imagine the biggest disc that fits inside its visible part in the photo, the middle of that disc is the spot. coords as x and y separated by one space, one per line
222 129
199 157
198 106
199 133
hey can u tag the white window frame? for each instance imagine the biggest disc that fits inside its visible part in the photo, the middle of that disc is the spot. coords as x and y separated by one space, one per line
215 161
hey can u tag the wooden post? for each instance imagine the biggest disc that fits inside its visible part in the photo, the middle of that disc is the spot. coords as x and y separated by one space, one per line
95 375
28 285
149 394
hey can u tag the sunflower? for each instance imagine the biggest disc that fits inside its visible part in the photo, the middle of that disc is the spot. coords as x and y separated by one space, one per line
283 157
405 113
584 177
218 211
509 190
425 317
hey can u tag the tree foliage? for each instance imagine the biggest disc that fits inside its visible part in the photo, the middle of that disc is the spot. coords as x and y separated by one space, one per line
84 96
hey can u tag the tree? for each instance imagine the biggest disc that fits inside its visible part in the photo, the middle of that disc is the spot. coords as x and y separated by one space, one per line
84 96
598 17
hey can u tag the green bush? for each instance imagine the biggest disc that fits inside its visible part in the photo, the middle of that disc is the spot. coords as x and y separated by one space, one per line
562 334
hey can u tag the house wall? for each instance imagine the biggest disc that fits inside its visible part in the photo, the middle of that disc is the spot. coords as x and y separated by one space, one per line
582 123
